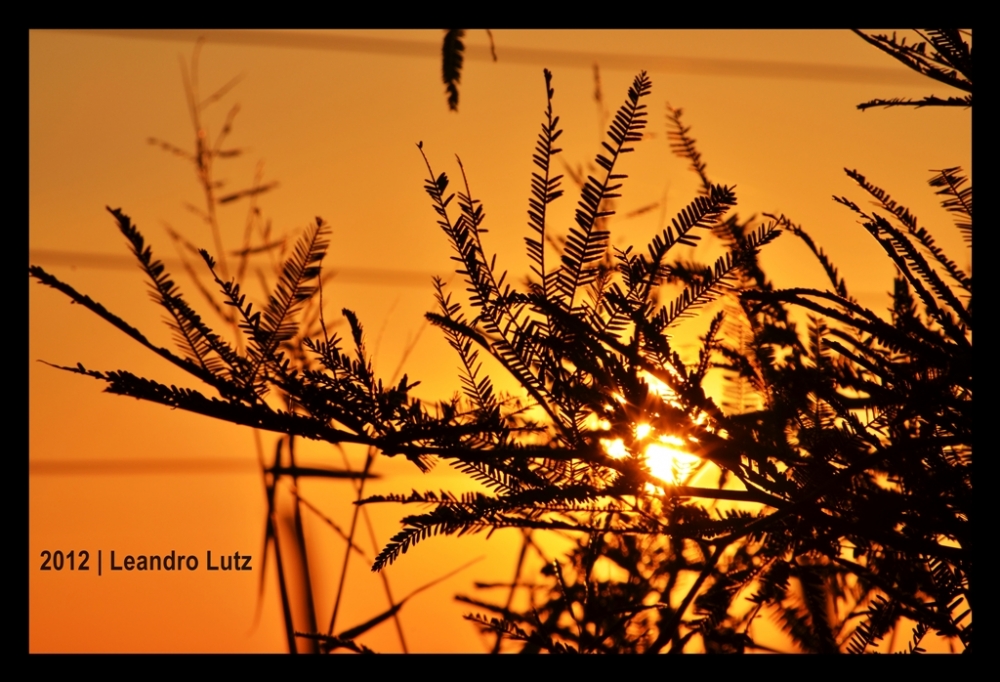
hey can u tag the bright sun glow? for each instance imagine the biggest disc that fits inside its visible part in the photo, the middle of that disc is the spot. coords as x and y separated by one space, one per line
665 456
658 387
615 448
668 462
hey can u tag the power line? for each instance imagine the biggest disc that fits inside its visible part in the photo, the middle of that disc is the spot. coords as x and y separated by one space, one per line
371 276
101 261
105 467
206 465
739 68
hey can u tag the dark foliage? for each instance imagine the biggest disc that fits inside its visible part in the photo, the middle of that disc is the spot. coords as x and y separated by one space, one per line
451 64
943 55
452 60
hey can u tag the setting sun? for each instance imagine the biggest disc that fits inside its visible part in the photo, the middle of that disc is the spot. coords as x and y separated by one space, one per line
664 454
668 462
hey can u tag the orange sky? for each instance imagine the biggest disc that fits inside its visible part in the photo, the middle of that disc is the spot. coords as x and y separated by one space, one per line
336 123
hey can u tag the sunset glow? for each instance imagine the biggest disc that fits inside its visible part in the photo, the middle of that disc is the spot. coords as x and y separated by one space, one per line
337 118
665 455
668 461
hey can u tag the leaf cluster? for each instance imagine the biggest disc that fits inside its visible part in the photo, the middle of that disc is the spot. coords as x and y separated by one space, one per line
943 55
848 508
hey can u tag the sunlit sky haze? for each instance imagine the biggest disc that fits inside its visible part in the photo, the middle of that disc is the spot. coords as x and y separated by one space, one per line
335 118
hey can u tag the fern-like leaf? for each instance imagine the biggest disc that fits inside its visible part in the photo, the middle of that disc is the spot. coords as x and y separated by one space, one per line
451 64
585 244
544 188
683 145
715 282
959 204
192 335
959 198
949 61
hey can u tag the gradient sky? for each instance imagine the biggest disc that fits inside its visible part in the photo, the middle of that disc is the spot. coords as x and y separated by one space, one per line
336 117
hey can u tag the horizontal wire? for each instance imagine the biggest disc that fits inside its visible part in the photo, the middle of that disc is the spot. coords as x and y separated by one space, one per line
145 466
101 261
207 465
740 68
373 276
